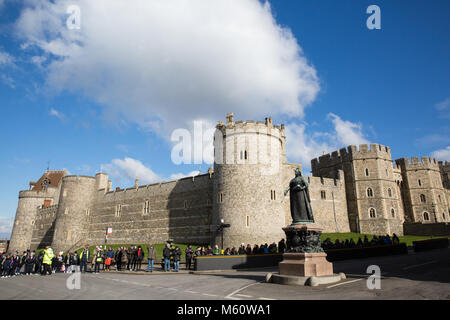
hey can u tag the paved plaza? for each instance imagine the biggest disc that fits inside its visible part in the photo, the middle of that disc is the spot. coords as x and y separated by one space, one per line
413 276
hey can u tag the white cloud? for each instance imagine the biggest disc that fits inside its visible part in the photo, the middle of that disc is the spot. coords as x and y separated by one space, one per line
442 154
6 58
347 133
443 108
164 63
125 171
302 146
177 176
57 114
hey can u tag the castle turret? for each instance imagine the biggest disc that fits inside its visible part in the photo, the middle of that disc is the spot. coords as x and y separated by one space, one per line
374 205
248 187
43 193
22 231
424 195
76 199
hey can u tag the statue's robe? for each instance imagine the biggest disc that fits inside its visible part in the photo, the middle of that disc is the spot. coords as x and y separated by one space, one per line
300 202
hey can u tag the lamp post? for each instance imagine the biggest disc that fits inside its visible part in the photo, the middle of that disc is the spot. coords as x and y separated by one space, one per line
221 227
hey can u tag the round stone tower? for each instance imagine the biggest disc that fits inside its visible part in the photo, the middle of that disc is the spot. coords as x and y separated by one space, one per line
72 224
248 190
22 232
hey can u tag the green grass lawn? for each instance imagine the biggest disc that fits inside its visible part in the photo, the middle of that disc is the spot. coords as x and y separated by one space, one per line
159 248
348 235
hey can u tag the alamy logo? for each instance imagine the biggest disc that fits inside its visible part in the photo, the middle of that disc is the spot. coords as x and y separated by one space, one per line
74 20
74 280
374 281
374 21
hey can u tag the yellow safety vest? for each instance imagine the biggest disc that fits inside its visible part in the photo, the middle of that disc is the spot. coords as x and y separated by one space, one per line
99 256
48 256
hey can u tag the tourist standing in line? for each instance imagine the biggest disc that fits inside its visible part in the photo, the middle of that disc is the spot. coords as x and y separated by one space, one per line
189 252
98 260
118 258
176 259
47 260
85 256
125 259
166 256
139 254
29 263
151 257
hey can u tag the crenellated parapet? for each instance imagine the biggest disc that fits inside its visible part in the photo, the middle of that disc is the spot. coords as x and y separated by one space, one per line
425 163
364 151
250 126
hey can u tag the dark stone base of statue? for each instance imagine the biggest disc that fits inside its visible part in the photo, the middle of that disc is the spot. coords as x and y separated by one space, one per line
304 256
303 238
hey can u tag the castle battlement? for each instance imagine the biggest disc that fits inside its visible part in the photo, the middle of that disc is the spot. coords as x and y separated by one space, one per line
352 152
425 163
36 193
250 126
77 178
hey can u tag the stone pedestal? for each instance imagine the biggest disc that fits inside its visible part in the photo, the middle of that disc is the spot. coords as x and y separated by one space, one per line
305 265
304 256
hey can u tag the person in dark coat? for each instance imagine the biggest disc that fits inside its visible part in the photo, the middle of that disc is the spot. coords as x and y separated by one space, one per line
29 263
167 253
130 256
118 258
7 266
13 265
176 259
38 262
281 246
189 253
139 256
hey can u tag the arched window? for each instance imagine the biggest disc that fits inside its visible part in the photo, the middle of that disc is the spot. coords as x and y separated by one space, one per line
419 182
423 199
367 172
426 216
372 213
323 195
245 154
370 192
443 215
439 197
393 213
389 192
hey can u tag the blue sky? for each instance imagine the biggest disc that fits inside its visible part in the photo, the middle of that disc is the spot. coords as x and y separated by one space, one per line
110 94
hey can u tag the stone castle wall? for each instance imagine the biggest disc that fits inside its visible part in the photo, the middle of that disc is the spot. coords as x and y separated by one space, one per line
373 201
245 190
44 227
329 203
180 210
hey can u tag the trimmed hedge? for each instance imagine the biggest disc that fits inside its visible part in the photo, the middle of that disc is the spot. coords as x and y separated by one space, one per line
271 260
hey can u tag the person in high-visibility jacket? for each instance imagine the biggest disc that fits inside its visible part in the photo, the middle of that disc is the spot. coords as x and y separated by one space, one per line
98 260
47 260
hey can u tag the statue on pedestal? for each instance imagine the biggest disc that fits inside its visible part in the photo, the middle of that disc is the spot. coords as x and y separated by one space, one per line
301 211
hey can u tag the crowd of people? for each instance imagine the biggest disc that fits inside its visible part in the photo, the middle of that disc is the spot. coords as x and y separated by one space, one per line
361 243
131 258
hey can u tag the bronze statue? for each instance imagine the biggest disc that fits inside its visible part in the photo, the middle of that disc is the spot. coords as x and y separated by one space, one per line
301 211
